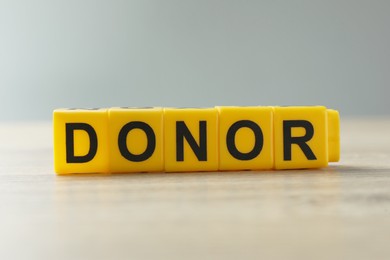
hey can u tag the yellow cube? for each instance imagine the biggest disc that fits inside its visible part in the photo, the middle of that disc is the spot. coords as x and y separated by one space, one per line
301 138
191 139
136 139
245 138
80 141
333 135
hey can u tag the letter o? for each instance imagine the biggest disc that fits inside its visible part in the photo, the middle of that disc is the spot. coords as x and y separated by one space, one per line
122 144
231 145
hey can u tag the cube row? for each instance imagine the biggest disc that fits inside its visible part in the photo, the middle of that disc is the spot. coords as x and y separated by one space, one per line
156 139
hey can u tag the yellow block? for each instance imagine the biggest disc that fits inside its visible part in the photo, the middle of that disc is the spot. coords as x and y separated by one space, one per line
80 141
191 139
301 137
136 139
333 135
245 138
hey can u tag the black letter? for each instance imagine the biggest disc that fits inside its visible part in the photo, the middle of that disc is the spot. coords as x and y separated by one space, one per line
300 141
231 145
183 132
122 144
93 142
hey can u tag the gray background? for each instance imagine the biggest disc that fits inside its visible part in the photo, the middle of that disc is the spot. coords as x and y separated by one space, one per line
193 53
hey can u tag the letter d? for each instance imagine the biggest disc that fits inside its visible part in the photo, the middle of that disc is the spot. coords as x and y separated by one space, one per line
93 143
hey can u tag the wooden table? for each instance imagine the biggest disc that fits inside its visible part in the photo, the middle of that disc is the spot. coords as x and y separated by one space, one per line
341 212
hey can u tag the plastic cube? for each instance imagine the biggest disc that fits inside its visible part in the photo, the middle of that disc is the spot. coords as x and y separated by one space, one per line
301 139
80 141
191 139
136 139
245 138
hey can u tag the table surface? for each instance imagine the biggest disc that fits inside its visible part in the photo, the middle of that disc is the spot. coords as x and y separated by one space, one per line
340 212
